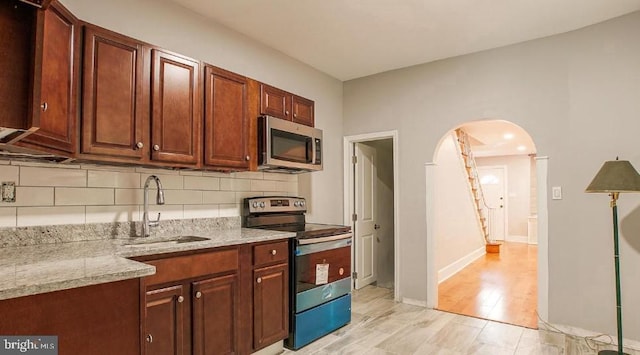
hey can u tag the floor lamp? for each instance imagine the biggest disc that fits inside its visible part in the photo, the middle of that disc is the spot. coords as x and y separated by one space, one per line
614 177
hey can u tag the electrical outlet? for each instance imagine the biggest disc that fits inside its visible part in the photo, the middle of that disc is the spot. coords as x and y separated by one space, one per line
556 193
8 191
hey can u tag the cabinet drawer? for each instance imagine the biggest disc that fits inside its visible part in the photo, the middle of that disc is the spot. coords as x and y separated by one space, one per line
190 266
270 253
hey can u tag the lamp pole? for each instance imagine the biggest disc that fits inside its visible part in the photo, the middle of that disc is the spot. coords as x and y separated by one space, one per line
614 208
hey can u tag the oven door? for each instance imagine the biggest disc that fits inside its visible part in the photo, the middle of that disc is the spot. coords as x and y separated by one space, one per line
322 270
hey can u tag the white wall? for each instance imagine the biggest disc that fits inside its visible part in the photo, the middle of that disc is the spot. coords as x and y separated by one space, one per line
173 27
578 95
518 190
384 187
457 230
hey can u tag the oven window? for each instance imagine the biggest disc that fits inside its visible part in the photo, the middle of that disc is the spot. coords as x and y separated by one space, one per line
335 262
290 146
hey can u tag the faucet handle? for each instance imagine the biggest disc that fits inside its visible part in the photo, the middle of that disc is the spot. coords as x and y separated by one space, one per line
156 222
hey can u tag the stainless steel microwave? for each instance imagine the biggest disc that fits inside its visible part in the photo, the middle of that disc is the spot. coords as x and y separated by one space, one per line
285 146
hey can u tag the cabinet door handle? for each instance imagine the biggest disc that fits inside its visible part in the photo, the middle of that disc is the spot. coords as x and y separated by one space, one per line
247 158
286 113
259 280
156 147
295 115
274 252
139 145
198 294
44 106
149 338
180 299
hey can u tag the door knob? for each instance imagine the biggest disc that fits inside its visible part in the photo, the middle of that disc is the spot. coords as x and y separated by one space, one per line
180 299
247 158
198 294
139 145
274 252
376 226
44 106
156 147
149 338
259 280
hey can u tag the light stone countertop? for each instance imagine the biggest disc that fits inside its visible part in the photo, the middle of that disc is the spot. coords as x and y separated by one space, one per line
34 269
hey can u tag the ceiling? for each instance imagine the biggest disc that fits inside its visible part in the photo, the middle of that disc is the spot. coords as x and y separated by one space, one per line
349 39
497 138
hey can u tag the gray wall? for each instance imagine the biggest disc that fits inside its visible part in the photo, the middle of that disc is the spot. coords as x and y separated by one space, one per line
173 27
384 187
578 95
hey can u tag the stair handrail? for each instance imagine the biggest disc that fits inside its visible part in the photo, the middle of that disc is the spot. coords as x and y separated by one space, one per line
490 211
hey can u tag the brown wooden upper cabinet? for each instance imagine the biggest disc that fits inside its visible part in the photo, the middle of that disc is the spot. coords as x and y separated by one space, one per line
279 103
176 106
114 109
55 81
226 124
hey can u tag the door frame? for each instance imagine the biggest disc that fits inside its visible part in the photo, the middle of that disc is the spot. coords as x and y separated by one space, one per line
505 193
349 180
542 175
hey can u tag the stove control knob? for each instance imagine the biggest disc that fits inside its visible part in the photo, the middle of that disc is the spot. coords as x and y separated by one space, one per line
301 203
262 204
295 204
255 205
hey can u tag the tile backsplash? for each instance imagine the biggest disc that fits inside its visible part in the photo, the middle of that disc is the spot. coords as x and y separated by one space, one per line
52 193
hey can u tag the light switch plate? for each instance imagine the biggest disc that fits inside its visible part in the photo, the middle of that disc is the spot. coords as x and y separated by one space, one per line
556 193
8 191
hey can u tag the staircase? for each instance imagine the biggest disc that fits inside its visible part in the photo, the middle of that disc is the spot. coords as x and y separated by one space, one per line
486 214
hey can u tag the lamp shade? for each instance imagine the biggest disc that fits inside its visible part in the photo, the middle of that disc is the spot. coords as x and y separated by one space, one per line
615 176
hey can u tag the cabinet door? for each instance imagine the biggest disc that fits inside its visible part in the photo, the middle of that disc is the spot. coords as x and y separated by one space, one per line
164 321
270 305
303 111
275 102
55 97
225 121
176 109
113 109
215 312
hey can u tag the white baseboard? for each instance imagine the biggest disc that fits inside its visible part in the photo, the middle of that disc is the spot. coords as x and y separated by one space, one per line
413 302
518 238
453 268
581 333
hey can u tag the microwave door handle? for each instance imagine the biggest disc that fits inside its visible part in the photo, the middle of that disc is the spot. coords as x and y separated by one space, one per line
313 150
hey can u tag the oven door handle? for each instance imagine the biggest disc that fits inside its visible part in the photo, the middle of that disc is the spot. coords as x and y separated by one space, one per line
324 239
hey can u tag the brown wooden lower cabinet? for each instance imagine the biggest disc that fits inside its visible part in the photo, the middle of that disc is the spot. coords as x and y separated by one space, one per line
98 319
270 305
165 321
216 302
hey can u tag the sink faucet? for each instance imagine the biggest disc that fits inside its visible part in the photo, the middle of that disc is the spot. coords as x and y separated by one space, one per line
146 223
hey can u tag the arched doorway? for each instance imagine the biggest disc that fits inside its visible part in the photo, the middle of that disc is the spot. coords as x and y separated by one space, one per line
484 191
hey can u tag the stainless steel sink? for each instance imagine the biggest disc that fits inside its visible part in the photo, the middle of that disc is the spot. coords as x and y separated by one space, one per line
149 242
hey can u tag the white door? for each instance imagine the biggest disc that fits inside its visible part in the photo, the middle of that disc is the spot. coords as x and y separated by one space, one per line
492 180
366 211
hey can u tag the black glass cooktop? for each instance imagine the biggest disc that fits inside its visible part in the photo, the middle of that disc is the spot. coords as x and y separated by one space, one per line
312 230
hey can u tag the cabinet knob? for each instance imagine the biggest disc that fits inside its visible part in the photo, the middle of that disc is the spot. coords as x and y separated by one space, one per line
139 145
198 294
259 280
180 299
286 113
341 271
156 147
295 115
44 106
274 252
149 338
247 158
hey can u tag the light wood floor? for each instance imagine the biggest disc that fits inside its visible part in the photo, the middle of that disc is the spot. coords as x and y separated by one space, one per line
380 326
500 287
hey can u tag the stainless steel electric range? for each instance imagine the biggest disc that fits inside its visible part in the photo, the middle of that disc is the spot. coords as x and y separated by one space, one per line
320 271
